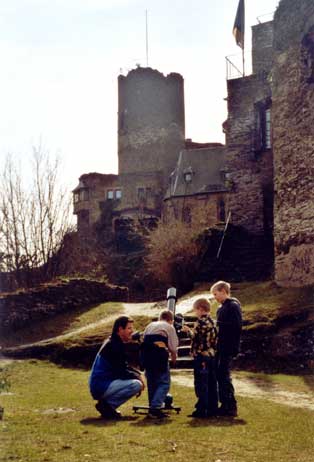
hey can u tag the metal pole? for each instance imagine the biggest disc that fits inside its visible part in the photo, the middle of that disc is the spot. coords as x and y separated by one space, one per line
146 38
223 236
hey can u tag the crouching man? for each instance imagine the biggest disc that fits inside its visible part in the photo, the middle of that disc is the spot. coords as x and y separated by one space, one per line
112 380
160 339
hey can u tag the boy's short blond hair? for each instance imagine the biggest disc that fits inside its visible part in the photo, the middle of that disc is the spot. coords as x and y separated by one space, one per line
221 285
202 304
166 315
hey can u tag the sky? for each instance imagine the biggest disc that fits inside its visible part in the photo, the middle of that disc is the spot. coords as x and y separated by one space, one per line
60 60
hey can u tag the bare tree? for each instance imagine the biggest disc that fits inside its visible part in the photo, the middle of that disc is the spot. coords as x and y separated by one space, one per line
34 216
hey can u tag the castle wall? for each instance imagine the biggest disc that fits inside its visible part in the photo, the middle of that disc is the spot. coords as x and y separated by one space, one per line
207 210
262 47
293 134
141 191
151 124
249 164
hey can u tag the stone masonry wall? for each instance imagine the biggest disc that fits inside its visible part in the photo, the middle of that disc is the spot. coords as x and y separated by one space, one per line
262 47
151 126
150 185
202 208
251 172
293 134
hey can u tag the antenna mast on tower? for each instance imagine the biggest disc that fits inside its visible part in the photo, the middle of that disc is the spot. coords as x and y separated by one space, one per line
146 38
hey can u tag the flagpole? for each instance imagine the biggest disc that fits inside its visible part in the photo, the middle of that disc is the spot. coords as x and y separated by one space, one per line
243 62
146 38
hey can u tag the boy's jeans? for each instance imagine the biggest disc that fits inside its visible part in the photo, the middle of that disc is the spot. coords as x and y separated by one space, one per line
226 389
119 391
158 385
205 384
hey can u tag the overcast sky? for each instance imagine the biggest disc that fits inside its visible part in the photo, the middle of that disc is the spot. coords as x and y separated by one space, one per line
60 60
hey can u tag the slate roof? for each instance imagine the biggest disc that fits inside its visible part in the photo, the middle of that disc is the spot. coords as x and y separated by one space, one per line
205 166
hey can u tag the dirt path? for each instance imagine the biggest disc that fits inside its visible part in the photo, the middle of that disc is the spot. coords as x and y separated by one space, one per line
153 309
257 389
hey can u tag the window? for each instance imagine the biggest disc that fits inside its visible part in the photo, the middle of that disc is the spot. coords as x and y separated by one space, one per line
141 193
84 195
144 194
188 174
118 193
307 56
188 177
262 137
267 129
110 194
81 195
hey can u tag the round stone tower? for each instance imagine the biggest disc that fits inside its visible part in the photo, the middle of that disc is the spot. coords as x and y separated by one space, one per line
151 123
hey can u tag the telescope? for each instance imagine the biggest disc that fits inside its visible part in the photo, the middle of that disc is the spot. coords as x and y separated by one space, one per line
171 305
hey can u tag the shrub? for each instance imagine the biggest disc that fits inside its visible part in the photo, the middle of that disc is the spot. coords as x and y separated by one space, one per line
174 252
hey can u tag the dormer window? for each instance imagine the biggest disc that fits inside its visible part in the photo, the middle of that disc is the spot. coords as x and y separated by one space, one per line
187 175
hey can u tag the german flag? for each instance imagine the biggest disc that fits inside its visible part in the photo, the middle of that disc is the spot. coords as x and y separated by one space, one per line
238 28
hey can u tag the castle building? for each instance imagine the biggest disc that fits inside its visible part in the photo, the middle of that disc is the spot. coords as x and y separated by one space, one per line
262 177
151 142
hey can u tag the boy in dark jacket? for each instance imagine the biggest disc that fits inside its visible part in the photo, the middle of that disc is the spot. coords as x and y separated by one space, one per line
112 380
229 323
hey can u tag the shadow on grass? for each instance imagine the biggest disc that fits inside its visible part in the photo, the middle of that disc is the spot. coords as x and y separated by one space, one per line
100 422
218 422
264 382
146 421
309 381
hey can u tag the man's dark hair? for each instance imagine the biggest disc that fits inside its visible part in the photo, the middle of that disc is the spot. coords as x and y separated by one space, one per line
122 321
166 315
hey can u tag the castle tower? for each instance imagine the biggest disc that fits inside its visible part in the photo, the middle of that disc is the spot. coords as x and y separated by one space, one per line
151 123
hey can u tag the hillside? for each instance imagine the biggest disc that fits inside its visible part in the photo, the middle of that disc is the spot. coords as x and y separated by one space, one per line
278 332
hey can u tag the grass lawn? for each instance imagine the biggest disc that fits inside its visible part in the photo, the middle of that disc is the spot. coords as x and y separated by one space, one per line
50 417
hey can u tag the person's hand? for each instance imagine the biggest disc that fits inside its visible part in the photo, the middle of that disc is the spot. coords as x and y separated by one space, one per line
141 379
185 328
